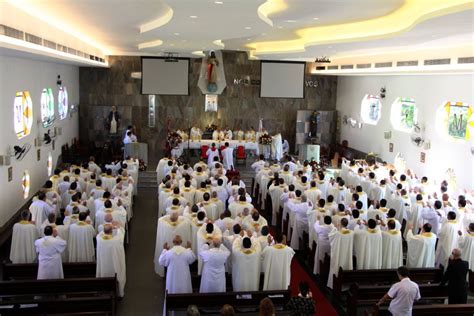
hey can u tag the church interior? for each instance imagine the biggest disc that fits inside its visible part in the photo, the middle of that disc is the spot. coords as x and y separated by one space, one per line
265 157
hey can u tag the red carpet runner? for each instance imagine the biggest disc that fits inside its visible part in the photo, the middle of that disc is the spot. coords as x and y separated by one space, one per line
298 274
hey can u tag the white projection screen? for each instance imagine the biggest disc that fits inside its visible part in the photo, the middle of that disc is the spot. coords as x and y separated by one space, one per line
165 77
282 79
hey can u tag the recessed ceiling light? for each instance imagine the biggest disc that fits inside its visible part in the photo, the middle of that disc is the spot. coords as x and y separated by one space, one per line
218 2
176 34
315 18
193 16
263 34
280 27
248 28
329 46
248 39
290 21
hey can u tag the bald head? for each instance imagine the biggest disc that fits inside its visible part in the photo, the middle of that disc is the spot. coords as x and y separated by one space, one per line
456 253
177 240
108 218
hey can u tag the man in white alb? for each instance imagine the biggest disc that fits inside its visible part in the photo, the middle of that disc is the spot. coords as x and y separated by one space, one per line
276 264
228 157
245 264
23 240
177 260
49 249
214 256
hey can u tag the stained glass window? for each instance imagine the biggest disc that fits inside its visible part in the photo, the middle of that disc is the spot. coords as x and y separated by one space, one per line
25 184
23 114
404 114
47 107
371 109
62 103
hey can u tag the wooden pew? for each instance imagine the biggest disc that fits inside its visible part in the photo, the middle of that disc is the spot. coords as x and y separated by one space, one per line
364 295
383 276
434 309
324 269
213 302
28 271
60 296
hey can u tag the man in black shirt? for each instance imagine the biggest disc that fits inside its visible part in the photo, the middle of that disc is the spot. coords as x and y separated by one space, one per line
455 275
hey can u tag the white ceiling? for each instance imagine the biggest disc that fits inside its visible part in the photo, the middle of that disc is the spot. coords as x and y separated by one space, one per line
115 24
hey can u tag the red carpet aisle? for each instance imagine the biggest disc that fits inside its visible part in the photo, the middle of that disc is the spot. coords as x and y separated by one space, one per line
298 274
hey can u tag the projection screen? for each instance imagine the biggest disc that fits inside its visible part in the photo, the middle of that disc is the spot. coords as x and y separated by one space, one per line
282 79
164 76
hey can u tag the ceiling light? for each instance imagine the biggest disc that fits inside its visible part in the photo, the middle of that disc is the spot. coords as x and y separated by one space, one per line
248 39
193 16
263 34
218 2
315 19
329 46
280 27
248 28
171 44
290 21
176 34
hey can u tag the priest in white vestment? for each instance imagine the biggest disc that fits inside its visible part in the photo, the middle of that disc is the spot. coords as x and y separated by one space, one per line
81 241
177 261
392 248
276 190
211 153
246 261
466 244
368 246
40 209
277 264
168 227
342 243
299 212
323 246
447 240
111 257
49 249
206 234
421 248
214 257
24 234
228 157
237 207
277 147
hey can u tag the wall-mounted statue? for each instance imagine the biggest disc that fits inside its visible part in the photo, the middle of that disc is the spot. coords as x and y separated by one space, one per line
113 120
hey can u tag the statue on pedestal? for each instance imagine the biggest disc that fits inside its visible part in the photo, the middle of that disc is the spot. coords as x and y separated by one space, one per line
313 126
113 121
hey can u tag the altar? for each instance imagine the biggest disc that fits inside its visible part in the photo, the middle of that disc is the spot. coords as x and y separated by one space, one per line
252 146
136 150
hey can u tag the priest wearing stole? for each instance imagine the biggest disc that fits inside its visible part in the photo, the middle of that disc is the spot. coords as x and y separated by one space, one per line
447 240
421 248
466 244
342 243
111 257
206 234
368 246
177 261
168 227
81 240
246 256
214 256
275 191
49 249
392 249
23 240
277 264
323 246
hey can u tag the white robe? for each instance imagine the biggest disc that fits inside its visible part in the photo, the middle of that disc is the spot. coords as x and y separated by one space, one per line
277 267
203 237
81 242
245 266
368 248
213 271
323 244
228 158
210 156
275 192
447 241
342 243
277 147
466 244
177 261
298 212
421 250
392 249
39 212
49 251
22 249
111 259
165 233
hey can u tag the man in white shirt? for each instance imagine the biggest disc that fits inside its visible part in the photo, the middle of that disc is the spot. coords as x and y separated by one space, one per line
402 294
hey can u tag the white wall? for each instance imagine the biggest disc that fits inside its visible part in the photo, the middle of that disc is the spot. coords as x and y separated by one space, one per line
429 93
20 74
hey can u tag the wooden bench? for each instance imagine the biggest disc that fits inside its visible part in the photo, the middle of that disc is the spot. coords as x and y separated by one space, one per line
59 296
434 309
28 271
383 276
364 295
212 302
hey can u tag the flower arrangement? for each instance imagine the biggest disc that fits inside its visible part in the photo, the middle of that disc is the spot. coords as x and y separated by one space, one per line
266 139
174 139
